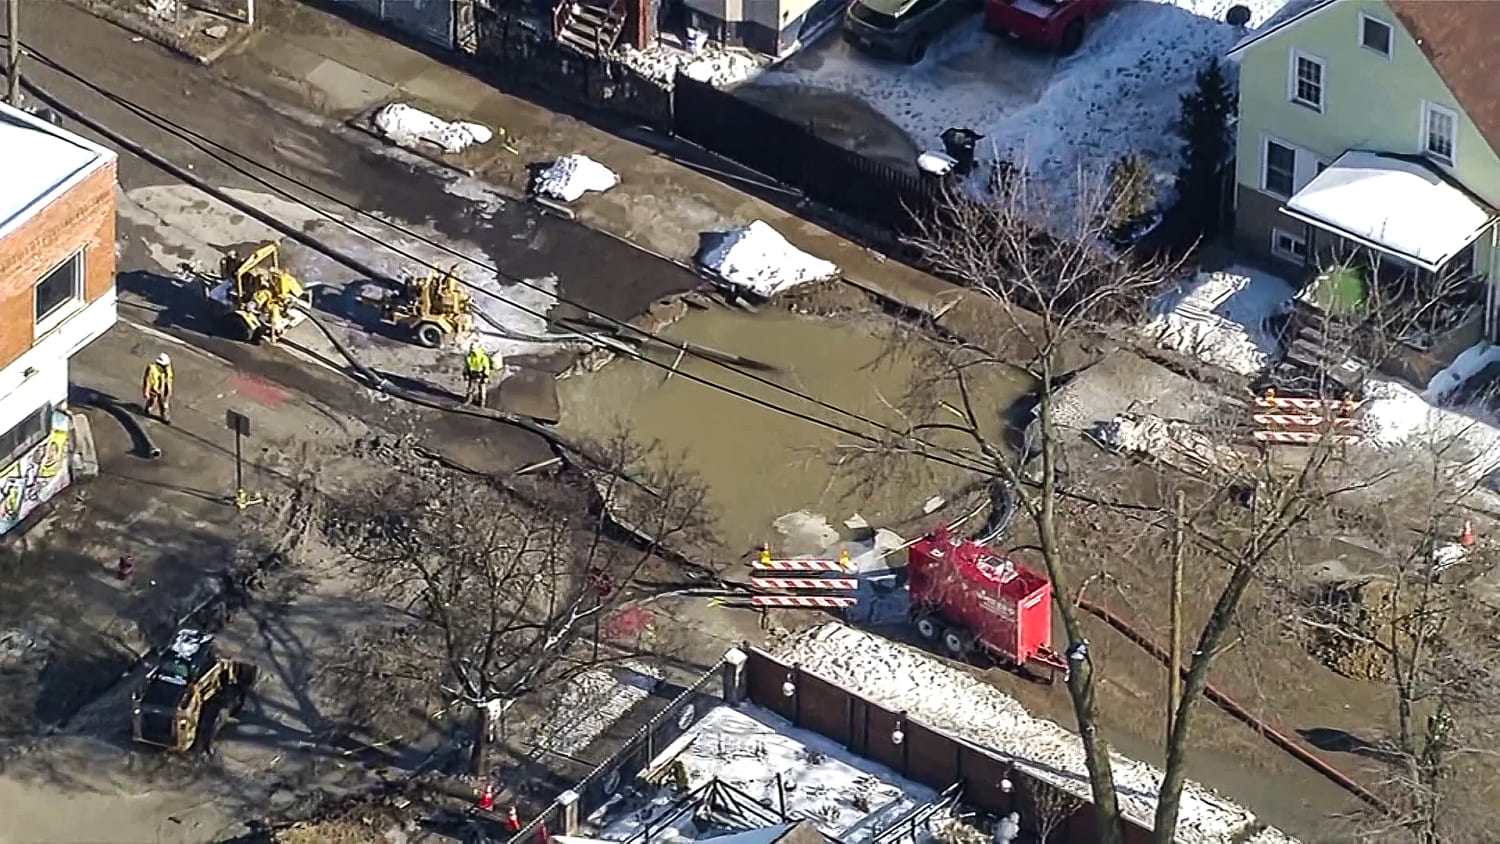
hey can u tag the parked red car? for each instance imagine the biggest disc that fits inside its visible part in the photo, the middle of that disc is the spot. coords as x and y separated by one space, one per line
1059 24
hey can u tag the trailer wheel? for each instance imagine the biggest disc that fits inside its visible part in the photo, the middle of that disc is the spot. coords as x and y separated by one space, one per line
430 334
929 628
957 643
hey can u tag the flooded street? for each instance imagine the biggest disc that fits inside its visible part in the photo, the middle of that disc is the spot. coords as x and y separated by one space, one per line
772 476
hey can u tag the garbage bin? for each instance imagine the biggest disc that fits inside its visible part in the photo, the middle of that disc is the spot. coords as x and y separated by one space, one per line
959 144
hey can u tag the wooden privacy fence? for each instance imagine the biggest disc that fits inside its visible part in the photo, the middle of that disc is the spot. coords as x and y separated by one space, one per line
793 154
924 754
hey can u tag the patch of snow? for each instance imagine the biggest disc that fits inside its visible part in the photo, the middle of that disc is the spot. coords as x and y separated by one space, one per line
715 65
588 705
805 532
756 751
1119 94
1396 416
1221 318
949 699
757 258
571 176
411 127
1469 363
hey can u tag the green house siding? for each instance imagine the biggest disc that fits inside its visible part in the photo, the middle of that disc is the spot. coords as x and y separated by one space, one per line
1369 102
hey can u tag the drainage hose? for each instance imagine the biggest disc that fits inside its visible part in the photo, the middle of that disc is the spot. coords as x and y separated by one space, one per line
1240 713
1003 504
140 440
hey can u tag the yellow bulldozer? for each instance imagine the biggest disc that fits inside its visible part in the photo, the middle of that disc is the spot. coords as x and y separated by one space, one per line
432 308
264 301
188 694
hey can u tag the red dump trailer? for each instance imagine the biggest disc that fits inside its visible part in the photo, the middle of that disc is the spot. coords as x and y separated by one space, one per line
967 599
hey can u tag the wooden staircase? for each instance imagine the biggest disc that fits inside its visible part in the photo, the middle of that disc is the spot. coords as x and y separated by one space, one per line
592 27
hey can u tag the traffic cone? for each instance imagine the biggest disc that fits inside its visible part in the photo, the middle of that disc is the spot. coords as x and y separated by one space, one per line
487 798
1466 538
512 820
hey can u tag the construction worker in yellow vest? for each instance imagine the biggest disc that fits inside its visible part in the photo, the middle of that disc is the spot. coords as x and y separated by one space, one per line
477 369
156 388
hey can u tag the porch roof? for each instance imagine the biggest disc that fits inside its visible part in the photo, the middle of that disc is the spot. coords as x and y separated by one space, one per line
1396 204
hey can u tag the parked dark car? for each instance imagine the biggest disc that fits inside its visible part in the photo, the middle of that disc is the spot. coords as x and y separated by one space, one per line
902 29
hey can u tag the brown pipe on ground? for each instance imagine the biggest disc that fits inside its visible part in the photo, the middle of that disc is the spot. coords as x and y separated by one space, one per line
1240 713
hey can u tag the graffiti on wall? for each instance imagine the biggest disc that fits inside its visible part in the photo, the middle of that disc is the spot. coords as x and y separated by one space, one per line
35 476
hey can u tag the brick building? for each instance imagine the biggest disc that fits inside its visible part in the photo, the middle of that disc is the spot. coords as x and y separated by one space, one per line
57 293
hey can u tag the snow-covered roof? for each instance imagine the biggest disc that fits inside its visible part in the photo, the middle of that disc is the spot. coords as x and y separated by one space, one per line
38 161
1395 204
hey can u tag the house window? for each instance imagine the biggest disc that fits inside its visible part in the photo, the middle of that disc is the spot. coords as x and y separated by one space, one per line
1306 81
1439 132
59 287
1280 169
25 434
1290 246
1375 34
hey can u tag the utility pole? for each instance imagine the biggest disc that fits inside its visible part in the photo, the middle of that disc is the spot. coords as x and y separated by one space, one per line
1174 667
13 41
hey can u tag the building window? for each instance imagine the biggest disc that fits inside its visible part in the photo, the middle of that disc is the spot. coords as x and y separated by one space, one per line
25 434
1439 132
59 287
1280 169
1290 246
1306 81
1375 34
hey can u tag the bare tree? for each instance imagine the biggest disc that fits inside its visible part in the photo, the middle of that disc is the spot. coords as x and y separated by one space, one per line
1424 625
499 587
1048 808
1058 291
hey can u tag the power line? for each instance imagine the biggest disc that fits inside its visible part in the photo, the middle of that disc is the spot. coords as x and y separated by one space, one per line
923 445
198 140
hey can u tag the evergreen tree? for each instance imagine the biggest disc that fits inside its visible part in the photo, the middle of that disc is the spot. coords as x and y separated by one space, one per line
1204 127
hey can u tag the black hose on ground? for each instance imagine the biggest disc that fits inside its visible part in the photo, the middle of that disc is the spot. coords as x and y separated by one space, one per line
140 440
1003 503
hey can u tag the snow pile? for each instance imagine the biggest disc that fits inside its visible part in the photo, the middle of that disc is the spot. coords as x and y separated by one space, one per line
572 176
588 705
752 750
1221 318
1173 442
1118 94
1471 362
409 127
900 678
715 65
1395 416
757 258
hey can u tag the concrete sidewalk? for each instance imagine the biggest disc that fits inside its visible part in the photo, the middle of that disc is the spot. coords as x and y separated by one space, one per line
326 64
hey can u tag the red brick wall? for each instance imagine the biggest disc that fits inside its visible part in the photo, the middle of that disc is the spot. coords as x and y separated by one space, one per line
84 217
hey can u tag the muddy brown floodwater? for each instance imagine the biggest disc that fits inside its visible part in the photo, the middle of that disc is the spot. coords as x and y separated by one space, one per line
761 465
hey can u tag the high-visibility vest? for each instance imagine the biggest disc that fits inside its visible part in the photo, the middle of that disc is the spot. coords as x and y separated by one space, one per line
477 362
159 378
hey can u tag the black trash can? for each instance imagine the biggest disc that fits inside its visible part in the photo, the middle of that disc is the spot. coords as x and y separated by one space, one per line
960 144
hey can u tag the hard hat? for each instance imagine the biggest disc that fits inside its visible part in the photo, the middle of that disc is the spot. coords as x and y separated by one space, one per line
163 359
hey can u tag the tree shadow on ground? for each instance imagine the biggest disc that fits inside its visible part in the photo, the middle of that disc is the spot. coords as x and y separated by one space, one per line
1332 740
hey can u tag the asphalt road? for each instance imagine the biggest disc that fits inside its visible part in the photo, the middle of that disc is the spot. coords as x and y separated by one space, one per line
592 268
